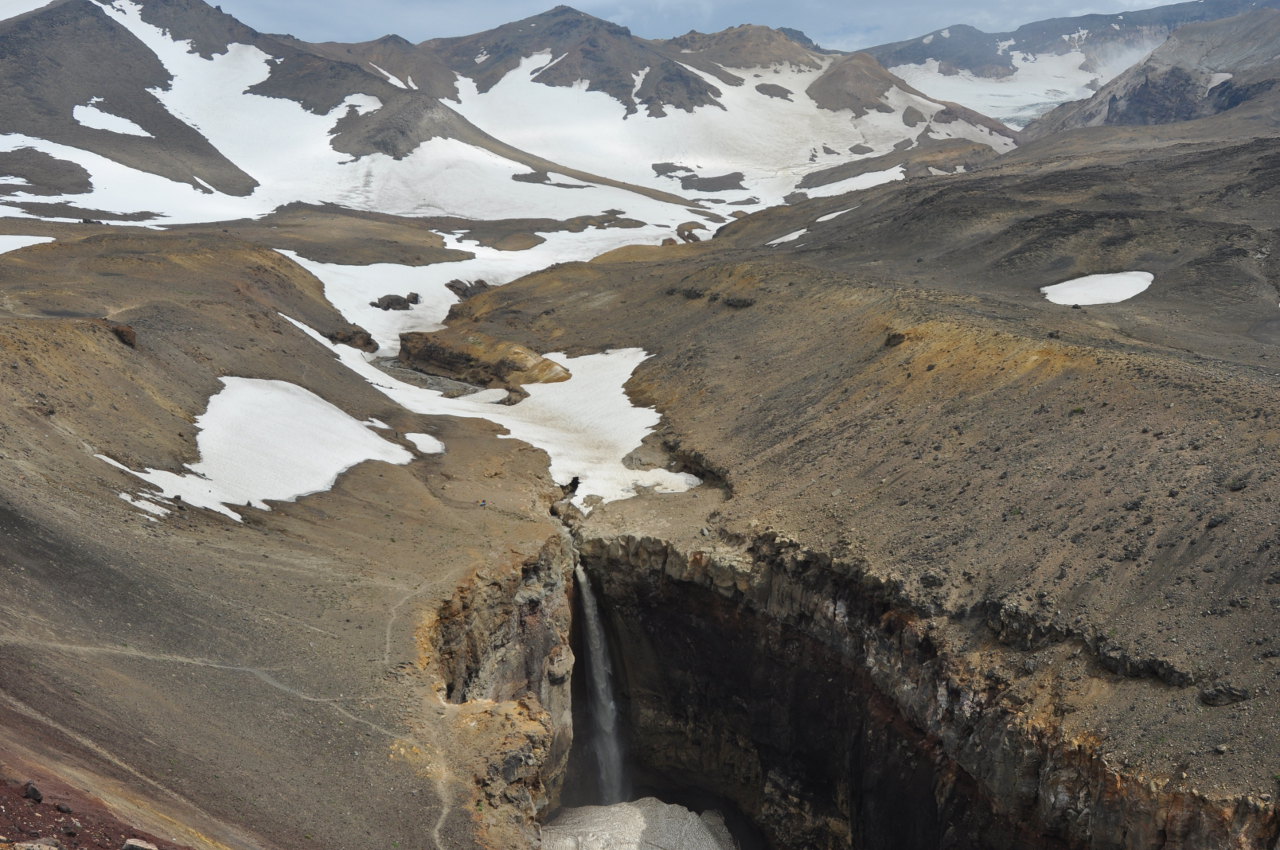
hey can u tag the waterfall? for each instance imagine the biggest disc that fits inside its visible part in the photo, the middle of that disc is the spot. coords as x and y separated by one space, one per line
601 708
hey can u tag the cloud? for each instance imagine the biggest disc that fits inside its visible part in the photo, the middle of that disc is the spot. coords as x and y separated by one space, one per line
832 23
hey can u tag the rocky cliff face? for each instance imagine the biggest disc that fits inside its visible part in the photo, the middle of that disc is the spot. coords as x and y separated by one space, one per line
498 652
835 714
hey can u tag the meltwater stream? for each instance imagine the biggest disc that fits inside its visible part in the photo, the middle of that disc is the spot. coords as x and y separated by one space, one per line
601 709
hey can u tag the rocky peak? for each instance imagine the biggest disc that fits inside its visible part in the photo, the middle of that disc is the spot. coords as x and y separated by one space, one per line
582 47
745 46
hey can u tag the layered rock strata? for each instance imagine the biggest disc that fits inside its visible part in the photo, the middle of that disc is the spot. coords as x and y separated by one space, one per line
834 714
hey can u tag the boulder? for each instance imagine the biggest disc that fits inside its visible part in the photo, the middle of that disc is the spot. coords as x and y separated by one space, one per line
467 289
396 302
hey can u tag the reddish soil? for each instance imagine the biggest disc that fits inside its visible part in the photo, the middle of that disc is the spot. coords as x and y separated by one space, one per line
86 823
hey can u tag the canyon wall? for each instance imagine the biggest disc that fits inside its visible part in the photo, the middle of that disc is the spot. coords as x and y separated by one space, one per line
815 697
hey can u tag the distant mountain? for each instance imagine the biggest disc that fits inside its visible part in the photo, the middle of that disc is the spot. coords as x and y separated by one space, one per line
1017 76
604 55
171 110
1202 70
742 116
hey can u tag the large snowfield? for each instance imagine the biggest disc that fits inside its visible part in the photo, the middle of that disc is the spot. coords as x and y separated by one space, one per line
1039 83
288 150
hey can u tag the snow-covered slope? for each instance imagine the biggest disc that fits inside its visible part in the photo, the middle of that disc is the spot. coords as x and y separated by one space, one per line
1020 75
737 134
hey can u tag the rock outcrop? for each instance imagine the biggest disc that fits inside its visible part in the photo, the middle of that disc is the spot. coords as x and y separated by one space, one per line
498 653
478 358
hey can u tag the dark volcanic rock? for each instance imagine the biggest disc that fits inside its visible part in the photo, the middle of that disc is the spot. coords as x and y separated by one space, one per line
125 333
353 336
604 54
1220 695
467 289
396 302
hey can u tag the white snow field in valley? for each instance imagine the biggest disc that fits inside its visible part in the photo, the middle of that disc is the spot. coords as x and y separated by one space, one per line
587 425
351 288
1039 82
1098 288
264 439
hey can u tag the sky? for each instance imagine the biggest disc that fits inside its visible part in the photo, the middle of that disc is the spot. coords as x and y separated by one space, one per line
832 23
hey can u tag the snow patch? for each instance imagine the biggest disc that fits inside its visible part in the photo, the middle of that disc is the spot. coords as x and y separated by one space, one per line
770 141
350 289
144 505
854 184
263 440
790 237
13 243
92 116
363 104
1039 82
1217 79
830 216
1098 288
390 77
426 443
